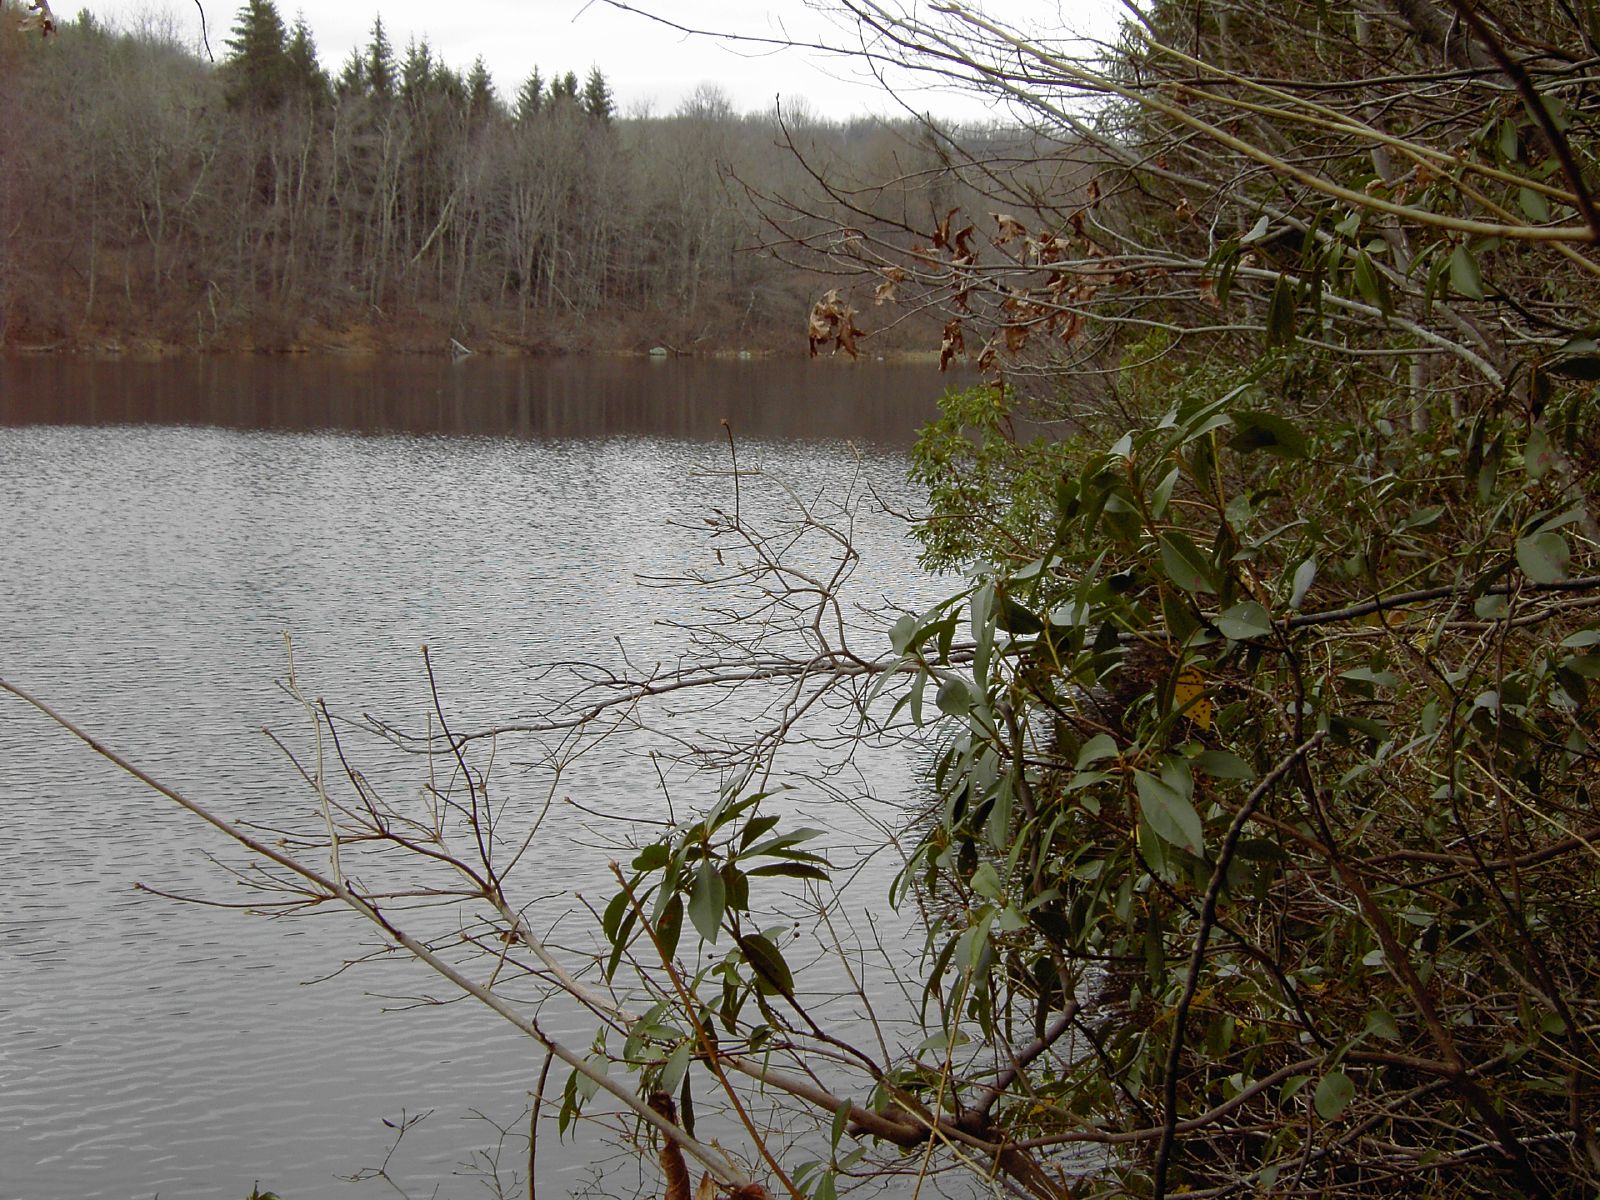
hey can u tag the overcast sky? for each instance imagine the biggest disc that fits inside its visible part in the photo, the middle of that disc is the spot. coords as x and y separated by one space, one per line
648 64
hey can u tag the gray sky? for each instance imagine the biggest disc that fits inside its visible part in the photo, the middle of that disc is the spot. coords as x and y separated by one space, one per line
646 63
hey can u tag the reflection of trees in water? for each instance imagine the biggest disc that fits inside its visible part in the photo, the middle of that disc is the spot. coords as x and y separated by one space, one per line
481 396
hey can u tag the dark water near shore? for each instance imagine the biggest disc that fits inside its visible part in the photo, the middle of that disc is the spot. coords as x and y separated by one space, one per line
164 525
483 397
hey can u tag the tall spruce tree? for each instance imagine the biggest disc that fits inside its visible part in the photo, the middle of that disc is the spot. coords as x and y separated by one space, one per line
304 70
481 99
379 63
416 72
564 87
258 70
597 100
352 79
530 98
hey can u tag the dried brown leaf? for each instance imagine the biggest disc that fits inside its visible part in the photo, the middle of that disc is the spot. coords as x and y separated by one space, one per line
673 1167
1010 228
845 339
954 343
893 277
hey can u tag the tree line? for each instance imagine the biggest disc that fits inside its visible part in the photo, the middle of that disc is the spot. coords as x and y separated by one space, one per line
265 202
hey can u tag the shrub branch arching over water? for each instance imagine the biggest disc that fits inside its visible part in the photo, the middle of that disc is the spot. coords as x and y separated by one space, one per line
1264 855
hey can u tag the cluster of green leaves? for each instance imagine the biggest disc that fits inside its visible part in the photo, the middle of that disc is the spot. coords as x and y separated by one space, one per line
1207 595
704 871
988 491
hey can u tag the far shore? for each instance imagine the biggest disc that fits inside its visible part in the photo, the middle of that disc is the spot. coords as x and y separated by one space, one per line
381 341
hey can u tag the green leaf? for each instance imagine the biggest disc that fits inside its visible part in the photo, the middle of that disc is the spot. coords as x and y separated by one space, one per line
1220 764
1304 575
1492 607
1423 518
652 857
589 1085
1269 432
1280 313
669 926
1244 621
1368 675
841 1122
676 1067
1162 496
1184 564
1464 276
1534 206
1371 284
901 635
611 919
955 698
762 954
1381 1024
786 841
1100 746
1508 139
1544 557
1333 1095
986 881
1538 456
707 900
790 870
1171 816
1584 367
756 827
1585 666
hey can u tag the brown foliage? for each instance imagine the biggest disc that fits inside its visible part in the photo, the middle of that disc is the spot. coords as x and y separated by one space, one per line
832 319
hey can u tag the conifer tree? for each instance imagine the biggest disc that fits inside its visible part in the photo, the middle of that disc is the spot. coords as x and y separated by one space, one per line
480 91
379 63
305 72
352 79
530 99
416 72
258 70
564 87
597 100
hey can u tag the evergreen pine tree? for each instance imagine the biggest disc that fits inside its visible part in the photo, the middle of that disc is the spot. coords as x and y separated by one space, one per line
379 63
597 101
257 69
447 83
530 99
480 91
352 79
416 73
564 87
305 72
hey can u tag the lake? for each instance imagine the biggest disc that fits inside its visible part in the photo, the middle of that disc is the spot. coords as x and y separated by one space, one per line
165 525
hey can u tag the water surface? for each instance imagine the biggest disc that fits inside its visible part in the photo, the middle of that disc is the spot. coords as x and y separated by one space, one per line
165 525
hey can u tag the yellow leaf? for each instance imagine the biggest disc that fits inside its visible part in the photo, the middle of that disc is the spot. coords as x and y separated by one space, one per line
1189 693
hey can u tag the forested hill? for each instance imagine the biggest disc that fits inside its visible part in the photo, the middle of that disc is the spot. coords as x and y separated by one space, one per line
149 197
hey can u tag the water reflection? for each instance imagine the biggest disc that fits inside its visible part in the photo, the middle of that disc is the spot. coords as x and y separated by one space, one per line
563 398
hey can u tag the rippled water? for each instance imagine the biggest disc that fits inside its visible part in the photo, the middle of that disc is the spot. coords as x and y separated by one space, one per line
164 526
